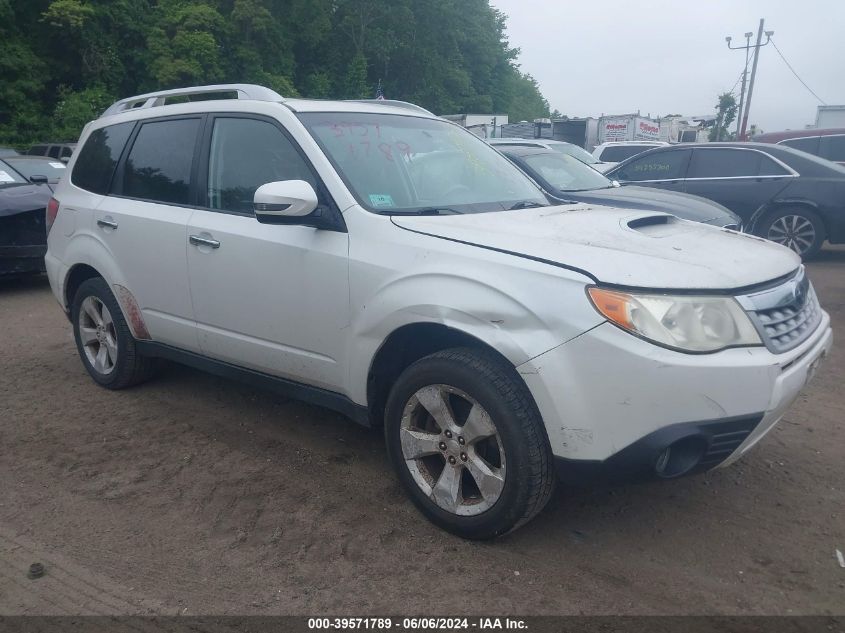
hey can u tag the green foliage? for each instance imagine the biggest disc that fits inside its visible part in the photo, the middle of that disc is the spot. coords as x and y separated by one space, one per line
75 108
63 61
726 108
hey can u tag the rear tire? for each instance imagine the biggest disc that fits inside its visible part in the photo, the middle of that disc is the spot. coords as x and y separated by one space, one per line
797 228
480 465
103 339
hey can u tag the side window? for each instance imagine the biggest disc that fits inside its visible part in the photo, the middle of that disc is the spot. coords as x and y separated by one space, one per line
66 152
809 144
833 147
769 167
38 150
158 167
53 151
245 154
724 163
618 153
98 157
667 165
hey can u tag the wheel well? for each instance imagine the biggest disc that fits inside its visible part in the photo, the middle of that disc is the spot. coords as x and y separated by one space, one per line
780 206
405 346
75 277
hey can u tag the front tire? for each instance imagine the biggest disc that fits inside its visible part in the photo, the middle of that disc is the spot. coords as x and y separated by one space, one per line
103 339
468 443
799 229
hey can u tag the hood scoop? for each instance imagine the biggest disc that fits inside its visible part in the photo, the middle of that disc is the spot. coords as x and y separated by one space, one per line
646 222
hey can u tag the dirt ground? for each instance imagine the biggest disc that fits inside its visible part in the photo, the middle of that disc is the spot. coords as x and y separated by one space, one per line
191 494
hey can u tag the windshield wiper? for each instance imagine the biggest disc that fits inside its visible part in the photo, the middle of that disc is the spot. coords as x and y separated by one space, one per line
526 204
427 211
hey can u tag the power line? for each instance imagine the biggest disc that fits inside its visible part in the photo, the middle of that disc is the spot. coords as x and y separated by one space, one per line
788 65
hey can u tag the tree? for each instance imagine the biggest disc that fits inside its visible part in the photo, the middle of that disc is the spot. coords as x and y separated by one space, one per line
725 114
62 61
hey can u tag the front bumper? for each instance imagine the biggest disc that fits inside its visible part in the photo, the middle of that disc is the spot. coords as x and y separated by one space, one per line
613 402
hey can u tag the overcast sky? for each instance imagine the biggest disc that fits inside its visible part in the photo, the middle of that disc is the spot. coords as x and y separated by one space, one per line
667 57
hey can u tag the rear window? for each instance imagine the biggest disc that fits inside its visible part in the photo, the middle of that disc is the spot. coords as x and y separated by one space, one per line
158 167
618 153
833 148
809 144
98 157
38 150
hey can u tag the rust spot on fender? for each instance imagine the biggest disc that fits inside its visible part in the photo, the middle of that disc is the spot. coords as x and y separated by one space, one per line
132 313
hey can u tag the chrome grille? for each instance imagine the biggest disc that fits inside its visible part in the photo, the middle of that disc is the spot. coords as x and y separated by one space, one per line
787 315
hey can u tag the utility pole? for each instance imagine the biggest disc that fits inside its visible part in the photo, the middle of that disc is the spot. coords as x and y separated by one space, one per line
742 118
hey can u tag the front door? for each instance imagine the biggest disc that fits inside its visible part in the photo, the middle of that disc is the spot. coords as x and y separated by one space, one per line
273 298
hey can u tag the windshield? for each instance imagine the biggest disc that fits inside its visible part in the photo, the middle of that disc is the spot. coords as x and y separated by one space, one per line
578 152
406 164
51 169
8 175
566 173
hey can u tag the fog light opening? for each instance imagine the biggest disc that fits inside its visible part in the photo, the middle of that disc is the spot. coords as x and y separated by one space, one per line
680 457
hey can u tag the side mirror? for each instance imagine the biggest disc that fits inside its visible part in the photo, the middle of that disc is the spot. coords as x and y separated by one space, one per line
38 179
65 159
616 183
295 202
284 199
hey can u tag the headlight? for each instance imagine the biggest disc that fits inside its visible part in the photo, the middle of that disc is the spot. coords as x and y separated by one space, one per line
686 323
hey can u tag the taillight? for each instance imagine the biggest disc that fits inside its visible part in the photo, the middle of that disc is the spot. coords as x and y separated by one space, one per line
52 212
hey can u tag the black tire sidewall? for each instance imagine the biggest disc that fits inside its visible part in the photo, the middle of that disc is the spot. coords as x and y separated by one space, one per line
511 505
97 287
811 216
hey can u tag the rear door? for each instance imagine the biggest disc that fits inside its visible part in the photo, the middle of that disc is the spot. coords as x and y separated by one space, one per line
274 298
665 169
143 223
742 179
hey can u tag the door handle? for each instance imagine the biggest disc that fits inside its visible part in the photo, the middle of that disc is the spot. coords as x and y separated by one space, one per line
196 240
107 224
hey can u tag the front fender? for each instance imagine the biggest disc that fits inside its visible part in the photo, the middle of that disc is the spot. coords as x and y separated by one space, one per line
521 316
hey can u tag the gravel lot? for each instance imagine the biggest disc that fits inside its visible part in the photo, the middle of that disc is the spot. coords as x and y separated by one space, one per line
191 494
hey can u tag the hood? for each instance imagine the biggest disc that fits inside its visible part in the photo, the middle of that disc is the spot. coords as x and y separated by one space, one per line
21 198
618 246
683 205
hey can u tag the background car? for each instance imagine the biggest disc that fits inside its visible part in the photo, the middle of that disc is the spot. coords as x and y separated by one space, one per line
829 143
62 151
615 152
564 178
558 146
23 236
782 194
35 169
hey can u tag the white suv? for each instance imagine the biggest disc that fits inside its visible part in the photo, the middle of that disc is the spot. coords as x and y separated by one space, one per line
378 260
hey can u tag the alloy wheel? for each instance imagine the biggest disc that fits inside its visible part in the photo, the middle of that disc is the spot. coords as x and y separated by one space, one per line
453 450
97 334
793 231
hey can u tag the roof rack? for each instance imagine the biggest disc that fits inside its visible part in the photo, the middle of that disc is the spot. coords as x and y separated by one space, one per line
394 103
154 99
